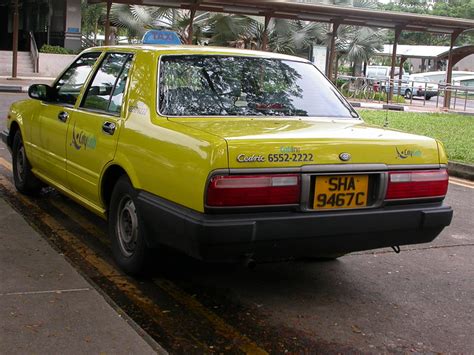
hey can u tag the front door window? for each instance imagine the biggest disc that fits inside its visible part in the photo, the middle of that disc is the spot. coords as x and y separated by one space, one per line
69 85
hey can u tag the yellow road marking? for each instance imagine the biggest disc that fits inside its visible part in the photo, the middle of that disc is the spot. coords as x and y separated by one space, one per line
80 219
245 344
6 164
127 287
461 182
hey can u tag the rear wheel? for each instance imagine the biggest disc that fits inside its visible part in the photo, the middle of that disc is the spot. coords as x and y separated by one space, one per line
25 181
126 229
407 94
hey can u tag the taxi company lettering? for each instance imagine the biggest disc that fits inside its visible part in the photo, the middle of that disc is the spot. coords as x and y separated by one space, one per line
82 140
242 158
163 36
405 153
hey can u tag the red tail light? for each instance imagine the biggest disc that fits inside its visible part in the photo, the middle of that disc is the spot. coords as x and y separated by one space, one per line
253 190
412 184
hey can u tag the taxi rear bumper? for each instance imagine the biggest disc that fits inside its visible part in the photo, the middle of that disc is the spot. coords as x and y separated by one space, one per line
270 235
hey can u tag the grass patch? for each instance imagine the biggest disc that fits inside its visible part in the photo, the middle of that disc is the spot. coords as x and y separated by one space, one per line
455 131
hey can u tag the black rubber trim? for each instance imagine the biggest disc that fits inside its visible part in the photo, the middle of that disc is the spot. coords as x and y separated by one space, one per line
230 237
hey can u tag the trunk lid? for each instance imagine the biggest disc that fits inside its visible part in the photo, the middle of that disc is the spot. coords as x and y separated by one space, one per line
273 142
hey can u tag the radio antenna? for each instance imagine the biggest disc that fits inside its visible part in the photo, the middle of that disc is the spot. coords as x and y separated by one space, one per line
385 124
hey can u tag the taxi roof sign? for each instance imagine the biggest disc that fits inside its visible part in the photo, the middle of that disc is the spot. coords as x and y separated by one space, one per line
160 37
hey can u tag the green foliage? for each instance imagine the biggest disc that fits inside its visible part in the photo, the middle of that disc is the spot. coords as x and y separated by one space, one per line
358 44
285 36
453 8
443 126
339 83
46 48
90 19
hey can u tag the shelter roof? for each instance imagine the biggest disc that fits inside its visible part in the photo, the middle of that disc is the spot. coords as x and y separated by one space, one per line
459 52
317 12
415 51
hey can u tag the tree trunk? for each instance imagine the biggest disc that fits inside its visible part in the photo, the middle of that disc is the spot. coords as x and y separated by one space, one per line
336 68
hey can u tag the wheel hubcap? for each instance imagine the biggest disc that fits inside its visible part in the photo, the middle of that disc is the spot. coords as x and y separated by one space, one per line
127 226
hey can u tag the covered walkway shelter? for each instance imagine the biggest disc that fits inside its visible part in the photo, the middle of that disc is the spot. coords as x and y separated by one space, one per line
457 54
428 54
335 15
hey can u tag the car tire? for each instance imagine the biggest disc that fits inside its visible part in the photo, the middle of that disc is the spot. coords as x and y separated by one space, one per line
429 97
24 179
126 229
407 94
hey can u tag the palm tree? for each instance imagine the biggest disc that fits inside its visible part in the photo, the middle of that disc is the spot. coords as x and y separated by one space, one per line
137 19
285 36
359 44
354 44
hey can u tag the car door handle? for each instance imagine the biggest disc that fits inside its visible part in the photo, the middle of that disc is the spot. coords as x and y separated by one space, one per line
63 116
108 127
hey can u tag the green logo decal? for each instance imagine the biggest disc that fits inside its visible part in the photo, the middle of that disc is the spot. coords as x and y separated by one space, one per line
82 140
407 153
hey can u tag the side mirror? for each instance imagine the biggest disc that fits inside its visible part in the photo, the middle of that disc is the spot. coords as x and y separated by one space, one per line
41 92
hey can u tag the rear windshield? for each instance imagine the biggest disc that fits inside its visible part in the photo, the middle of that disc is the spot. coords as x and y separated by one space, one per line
246 86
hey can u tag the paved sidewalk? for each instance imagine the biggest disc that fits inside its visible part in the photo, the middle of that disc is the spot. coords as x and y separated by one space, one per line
47 307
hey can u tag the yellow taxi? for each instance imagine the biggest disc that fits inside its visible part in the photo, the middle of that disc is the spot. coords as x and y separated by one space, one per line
225 155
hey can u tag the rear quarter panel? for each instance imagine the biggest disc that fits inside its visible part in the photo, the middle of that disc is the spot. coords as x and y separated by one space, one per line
164 158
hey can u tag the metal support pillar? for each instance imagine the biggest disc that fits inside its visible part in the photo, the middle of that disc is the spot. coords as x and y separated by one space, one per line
191 23
15 40
265 33
449 69
107 23
332 51
398 32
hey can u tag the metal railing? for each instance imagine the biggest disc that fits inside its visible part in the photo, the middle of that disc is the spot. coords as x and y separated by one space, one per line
34 52
412 92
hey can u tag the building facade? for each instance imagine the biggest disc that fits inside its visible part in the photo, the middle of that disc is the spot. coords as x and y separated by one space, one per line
54 22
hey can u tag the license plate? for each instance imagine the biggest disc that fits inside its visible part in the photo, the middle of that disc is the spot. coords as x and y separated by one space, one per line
341 191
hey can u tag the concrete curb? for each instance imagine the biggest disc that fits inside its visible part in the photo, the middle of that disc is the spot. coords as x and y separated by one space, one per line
461 170
371 105
11 88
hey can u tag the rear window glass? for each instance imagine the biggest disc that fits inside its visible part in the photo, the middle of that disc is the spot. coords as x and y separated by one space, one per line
246 86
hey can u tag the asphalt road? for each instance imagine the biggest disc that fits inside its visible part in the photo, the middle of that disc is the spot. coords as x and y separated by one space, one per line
419 300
